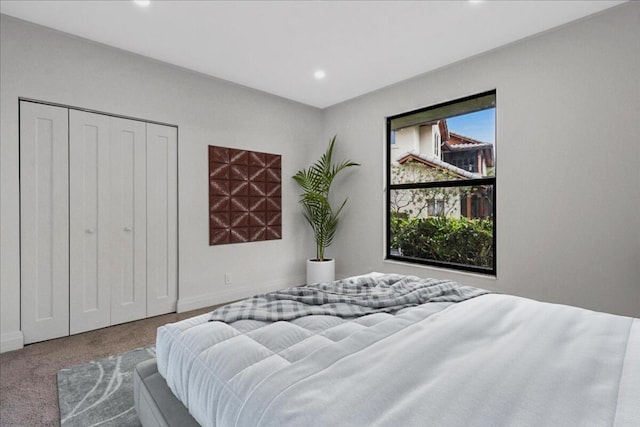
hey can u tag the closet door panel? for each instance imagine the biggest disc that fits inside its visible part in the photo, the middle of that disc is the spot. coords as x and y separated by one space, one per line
44 222
89 221
128 221
162 220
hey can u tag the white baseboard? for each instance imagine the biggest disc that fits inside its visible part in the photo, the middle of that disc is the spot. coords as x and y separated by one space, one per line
11 341
234 294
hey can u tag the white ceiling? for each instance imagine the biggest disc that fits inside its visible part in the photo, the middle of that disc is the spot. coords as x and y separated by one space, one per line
276 46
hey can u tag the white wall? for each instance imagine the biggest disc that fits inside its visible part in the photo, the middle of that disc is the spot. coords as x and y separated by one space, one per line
568 145
568 171
42 64
427 143
407 140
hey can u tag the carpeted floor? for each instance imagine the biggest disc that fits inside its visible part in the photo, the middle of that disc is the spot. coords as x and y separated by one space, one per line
28 386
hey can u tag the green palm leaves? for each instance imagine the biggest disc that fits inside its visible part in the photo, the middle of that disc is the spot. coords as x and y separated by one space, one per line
316 182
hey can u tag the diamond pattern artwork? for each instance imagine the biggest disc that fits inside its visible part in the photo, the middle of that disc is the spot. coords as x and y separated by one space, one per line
245 196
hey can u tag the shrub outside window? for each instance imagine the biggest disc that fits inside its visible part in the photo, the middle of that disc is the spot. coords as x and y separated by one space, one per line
441 188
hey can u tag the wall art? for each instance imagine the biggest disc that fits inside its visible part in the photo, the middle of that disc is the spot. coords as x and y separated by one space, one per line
245 196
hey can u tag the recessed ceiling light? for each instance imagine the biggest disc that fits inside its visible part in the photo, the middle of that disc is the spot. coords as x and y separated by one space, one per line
320 74
142 3
475 1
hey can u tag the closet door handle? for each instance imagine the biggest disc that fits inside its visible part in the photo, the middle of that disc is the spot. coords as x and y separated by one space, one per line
128 229
90 231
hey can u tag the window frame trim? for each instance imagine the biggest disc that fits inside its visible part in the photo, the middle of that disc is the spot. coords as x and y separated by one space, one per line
437 184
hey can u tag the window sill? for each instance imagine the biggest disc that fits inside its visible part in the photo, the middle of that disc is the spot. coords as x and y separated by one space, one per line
442 269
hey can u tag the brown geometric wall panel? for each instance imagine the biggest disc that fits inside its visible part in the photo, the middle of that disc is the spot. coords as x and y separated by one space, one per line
245 196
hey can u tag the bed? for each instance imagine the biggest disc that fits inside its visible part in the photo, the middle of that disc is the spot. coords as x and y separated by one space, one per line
465 357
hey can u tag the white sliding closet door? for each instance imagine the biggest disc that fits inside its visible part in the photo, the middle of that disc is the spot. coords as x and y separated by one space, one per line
162 220
44 222
90 278
128 236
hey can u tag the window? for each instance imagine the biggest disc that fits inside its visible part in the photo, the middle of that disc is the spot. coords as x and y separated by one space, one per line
435 207
441 203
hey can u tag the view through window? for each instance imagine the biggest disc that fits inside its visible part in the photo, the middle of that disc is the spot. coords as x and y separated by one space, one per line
441 185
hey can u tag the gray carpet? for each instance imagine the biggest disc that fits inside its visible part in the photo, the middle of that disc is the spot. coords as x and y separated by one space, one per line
100 393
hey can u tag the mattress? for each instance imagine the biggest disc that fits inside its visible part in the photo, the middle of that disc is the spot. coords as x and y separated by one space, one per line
491 360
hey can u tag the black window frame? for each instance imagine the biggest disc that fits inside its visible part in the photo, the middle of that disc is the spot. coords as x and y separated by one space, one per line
438 184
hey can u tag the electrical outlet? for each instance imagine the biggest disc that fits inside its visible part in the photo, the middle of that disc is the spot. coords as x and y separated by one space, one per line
227 278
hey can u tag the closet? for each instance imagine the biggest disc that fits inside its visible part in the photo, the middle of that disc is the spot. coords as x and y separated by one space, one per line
98 220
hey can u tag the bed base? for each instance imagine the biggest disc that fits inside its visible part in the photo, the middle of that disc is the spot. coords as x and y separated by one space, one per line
154 402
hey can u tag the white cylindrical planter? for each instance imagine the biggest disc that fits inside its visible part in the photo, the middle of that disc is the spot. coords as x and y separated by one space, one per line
321 271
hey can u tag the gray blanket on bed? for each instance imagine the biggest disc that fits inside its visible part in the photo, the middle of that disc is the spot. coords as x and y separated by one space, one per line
346 298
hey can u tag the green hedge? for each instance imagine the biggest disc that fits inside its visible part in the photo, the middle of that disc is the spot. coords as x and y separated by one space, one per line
457 240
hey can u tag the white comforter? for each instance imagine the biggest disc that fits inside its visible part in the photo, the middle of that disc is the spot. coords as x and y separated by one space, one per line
494 360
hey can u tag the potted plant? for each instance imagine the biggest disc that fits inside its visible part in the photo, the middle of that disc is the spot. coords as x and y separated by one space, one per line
320 214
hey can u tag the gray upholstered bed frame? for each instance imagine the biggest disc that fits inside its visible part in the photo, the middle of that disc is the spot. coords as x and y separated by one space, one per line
154 402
